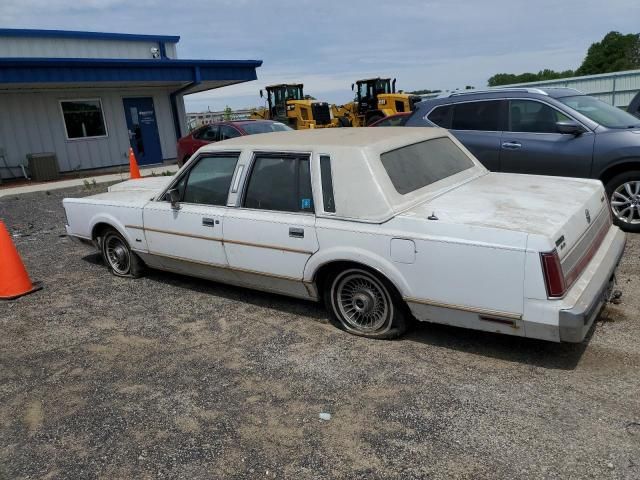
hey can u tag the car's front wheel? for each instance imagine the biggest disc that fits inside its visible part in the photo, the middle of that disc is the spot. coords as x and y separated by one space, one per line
118 256
624 197
363 303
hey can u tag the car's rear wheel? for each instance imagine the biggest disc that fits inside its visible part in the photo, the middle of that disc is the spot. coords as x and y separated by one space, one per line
363 303
118 256
624 197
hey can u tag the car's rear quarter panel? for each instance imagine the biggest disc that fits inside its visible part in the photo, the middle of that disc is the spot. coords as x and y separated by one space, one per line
448 268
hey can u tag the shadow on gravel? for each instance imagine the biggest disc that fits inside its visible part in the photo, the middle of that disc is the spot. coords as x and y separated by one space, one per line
560 356
230 292
557 356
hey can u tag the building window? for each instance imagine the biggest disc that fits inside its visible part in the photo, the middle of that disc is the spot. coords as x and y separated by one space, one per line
83 118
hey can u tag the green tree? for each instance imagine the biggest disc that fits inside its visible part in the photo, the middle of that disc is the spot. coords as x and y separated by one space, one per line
614 53
228 113
509 78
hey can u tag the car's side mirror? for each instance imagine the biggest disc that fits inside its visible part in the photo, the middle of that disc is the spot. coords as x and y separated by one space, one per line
569 127
174 198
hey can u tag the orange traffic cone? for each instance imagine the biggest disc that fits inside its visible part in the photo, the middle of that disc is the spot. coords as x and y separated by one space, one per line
14 279
133 165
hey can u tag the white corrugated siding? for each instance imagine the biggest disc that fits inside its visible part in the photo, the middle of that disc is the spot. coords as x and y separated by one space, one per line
31 122
615 88
79 48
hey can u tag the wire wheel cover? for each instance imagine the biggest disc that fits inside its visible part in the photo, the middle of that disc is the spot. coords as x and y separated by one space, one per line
117 254
363 302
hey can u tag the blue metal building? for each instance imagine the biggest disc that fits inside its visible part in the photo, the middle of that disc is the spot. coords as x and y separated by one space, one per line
88 96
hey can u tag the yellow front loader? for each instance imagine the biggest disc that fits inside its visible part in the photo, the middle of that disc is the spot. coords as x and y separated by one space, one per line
375 98
286 103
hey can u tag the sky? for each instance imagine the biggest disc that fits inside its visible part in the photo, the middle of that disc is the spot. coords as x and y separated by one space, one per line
328 44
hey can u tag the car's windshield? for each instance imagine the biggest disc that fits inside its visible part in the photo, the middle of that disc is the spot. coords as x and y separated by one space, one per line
601 112
264 127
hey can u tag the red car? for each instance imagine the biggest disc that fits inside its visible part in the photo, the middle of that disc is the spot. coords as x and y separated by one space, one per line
397 120
218 131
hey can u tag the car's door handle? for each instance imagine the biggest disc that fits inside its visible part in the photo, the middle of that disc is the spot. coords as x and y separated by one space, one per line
209 222
512 145
296 232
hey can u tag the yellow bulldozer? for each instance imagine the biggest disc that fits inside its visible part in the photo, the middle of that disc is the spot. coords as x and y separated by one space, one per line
286 103
375 98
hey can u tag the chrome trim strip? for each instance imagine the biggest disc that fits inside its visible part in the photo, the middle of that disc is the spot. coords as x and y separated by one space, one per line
216 239
480 311
169 232
271 247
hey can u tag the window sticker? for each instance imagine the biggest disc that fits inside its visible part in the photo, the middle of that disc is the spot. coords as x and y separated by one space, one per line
306 203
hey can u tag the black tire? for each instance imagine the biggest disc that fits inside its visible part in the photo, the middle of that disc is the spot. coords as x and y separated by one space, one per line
627 219
344 122
374 119
364 293
117 255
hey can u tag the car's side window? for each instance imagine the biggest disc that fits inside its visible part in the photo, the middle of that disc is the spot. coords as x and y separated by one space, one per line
327 184
210 133
228 132
535 117
208 181
199 133
281 183
483 116
441 116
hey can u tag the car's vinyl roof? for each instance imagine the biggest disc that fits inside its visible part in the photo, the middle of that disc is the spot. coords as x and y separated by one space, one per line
337 137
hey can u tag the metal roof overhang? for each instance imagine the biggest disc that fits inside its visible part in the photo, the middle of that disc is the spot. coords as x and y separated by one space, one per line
182 76
189 76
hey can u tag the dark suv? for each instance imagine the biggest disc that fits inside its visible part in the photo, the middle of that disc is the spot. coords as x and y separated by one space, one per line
547 131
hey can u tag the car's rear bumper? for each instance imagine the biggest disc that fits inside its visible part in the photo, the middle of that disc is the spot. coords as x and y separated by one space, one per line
574 323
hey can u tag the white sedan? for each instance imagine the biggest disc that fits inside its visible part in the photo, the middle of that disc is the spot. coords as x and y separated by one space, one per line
379 223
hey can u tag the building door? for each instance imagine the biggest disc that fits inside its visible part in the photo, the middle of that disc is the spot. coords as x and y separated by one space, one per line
143 130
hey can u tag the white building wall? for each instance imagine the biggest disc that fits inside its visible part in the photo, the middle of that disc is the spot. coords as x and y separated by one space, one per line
79 48
31 122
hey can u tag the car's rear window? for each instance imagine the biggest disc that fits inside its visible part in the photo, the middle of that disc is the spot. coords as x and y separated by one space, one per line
264 127
415 166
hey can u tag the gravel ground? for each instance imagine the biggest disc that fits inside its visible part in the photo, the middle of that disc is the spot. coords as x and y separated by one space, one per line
173 377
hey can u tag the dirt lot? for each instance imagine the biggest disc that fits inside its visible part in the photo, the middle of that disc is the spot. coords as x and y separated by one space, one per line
173 377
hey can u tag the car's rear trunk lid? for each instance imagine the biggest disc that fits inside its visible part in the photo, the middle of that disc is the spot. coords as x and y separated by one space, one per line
569 212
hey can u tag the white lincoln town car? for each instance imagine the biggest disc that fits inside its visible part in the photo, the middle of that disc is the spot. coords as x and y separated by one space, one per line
379 223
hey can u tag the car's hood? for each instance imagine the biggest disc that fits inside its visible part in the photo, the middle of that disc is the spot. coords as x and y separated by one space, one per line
147 184
532 204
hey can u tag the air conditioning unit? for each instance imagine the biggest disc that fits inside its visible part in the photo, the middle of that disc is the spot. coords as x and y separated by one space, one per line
43 166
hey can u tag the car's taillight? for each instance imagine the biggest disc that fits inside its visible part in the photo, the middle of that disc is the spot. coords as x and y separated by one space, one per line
553 276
